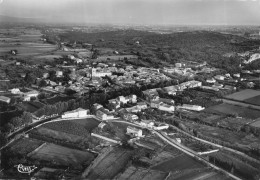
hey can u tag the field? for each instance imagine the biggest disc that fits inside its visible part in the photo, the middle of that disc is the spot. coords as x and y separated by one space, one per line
67 126
206 174
179 163
254 100
25 145
70 132
88 123
62 155
30 106
111 165
256 124
141 174
26 41
241 169
239 139
56 99
233 109
243 95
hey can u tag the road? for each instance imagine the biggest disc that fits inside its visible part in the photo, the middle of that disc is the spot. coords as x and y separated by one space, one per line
193 154
25 129
216 145
183 149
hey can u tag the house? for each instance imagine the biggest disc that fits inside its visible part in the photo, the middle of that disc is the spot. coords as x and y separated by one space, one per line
77 113
146 123
211 80
151 94
122 99
134 131
142 105
15 91
155 104
5 99
237 75
32 93
46 75
178 65
97 106
101 125
161 127
167 101
219 77
217 85
130 117
166 107
191 107
134 109
178 140
103 114
59 73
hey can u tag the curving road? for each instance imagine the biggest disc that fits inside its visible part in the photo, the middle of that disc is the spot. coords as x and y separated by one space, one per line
183 149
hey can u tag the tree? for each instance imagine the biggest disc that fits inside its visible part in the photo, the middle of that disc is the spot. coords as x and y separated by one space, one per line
42 83
26 118
16 121
9 127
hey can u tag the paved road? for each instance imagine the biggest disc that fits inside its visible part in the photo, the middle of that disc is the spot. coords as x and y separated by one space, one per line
25 129
217 145
192 154
183 149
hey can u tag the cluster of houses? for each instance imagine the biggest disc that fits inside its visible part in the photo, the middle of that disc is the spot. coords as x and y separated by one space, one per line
25 96
77 113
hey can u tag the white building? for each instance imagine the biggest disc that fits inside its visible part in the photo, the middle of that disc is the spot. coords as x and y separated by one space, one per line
77 113
219 77
5 99
59 73
134 131
15 91
103 115
166 107
212 80
30 94
96 73
191 107
161 127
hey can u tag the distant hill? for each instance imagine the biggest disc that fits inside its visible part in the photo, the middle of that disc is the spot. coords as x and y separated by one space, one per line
10 19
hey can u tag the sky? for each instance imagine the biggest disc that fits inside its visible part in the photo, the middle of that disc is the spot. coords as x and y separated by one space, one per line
156 12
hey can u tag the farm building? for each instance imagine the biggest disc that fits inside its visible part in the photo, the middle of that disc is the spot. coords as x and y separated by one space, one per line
134 131
191 107
5 99
30 94
77 113
15 91
104 115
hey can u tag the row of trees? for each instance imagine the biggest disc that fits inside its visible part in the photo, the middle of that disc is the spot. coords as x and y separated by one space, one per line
16 122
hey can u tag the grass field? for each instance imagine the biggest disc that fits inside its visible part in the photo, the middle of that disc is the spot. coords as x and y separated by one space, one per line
179 163
244 94
25 145
88 123
256 124
205 174
68 126
111 165
232 109
138 173
239 139
26 41
254 100
30 106
56 99
62 155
